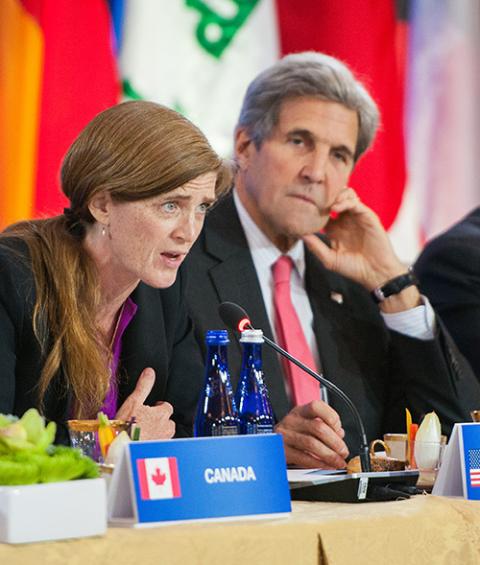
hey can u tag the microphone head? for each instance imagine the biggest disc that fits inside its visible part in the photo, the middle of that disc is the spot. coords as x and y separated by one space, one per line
234 316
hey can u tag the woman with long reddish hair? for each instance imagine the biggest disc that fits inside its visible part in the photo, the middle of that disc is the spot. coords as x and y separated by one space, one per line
91 307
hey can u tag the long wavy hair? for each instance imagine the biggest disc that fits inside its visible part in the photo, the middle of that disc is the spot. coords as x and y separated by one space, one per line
133 151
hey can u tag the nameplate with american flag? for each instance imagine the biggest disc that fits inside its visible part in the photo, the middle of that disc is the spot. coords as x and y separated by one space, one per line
459 473
196 479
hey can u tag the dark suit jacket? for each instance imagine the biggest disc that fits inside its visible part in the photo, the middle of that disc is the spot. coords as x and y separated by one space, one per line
449 273
382 371
159 336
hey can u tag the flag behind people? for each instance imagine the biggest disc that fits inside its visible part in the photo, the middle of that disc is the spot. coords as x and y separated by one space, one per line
444 112
197 59
57 70
21 59
198 56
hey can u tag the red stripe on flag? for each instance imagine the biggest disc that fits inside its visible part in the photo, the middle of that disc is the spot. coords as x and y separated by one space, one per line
142 479
79 81
172 463
475 477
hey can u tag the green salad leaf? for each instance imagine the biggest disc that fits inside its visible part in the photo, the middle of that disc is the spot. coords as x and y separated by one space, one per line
28 433
39 435
6 420
27 455
60 464
14 472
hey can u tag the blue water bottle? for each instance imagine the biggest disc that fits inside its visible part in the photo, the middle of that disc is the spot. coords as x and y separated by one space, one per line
217 413
254 408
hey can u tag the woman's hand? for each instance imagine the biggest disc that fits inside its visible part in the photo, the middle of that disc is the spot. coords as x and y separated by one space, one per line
154 421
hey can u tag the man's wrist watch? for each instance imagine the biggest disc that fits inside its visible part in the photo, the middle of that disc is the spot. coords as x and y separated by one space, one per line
394 286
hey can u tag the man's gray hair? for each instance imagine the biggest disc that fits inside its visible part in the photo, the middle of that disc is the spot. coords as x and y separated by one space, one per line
308 74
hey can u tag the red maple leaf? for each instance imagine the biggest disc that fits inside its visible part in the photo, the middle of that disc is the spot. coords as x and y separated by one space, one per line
158 477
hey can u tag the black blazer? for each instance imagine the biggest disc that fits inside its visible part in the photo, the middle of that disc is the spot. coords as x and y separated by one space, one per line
382 371
449 273
159 336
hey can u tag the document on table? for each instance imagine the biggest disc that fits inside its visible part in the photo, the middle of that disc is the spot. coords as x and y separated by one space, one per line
313 476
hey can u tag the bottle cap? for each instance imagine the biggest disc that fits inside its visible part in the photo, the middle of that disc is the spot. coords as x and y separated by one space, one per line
217 337
252 336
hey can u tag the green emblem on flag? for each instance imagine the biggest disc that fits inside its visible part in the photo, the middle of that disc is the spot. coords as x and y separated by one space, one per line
215 31
129 91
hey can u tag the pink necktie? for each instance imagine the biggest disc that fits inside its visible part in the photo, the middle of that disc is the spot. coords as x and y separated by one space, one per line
290 334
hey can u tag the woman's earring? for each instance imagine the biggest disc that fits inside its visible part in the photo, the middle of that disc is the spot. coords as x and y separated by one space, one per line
103 231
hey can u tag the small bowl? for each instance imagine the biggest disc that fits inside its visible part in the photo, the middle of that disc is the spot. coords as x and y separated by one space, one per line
378 462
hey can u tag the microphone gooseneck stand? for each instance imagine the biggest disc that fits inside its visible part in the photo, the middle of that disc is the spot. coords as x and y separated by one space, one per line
237 319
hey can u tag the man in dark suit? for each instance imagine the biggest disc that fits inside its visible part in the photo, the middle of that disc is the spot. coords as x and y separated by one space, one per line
449 273
304 123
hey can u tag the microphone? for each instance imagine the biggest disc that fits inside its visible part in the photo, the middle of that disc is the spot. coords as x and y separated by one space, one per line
235 317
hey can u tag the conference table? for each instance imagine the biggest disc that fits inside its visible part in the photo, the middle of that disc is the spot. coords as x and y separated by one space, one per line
424 529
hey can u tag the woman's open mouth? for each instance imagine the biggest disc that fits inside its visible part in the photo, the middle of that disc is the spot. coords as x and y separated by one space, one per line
172 259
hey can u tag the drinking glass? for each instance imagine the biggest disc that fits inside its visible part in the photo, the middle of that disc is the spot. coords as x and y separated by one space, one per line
426 456
84 436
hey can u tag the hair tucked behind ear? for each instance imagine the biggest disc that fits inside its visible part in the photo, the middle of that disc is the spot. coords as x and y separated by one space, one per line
133 151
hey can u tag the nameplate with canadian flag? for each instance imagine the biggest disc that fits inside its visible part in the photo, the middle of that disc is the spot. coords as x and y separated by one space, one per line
197 479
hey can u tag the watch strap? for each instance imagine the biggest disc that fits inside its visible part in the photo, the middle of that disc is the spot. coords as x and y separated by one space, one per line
394 286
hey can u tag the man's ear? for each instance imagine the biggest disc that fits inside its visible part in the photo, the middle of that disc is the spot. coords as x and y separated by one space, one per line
244 148
99 207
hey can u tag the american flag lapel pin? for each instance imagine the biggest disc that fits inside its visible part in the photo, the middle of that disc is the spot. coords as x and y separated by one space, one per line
336 297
